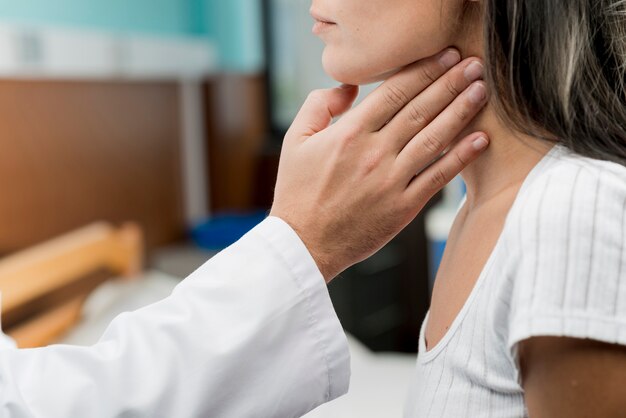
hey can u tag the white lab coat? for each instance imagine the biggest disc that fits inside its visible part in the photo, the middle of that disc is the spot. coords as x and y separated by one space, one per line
252 333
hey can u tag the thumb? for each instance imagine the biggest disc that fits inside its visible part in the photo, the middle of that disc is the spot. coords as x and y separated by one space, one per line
320 107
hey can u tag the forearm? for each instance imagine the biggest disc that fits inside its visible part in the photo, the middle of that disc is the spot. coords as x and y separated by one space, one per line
251 333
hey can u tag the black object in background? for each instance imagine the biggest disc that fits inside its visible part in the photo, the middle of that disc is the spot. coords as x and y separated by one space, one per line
383 300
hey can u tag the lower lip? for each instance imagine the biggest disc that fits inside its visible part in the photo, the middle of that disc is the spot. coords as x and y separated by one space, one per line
320 27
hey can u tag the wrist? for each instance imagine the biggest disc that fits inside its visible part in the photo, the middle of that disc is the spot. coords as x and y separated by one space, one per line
323 261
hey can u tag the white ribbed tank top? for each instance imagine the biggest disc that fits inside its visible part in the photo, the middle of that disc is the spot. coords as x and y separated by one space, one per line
557 269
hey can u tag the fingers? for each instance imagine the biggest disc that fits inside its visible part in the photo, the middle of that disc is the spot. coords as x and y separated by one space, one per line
319 109
429 143
424 186
391 96
418 113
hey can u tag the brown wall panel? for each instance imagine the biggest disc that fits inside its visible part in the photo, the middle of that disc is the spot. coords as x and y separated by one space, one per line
236 118
72 152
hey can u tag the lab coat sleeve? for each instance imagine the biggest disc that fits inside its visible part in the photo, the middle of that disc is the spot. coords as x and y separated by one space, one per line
251 333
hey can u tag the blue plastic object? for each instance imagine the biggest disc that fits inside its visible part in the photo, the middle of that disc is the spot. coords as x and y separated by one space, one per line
435 253
225 229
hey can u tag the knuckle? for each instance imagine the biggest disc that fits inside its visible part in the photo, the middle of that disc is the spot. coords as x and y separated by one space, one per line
438 179
428 75
431 143
349 135
395 96
462 112
451 88
317 95
420 195
388 184
418 114
372 160
404 206
460 159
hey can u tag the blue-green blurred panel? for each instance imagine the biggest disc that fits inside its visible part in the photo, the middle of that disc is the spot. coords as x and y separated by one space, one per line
198 16
237 27
160 16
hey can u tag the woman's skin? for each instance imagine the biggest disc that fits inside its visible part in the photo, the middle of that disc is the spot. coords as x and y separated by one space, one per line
360 172
369 41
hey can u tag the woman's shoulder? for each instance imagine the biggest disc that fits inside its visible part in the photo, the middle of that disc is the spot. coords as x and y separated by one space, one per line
562 166
570 190
569 208
563 163
568 251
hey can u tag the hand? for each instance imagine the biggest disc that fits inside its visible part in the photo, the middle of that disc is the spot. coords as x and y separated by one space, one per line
348 188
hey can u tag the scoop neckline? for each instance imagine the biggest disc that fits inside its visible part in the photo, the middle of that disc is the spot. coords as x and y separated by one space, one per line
425 356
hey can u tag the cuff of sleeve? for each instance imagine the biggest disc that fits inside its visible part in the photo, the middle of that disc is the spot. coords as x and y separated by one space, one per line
607 329
611 330
324 322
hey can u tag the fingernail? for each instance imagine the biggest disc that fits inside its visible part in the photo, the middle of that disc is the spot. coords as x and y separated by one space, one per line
473 71
477 93
480 143
450 58
345 86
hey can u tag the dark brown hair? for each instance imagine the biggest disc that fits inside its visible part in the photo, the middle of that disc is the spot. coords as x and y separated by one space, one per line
558 68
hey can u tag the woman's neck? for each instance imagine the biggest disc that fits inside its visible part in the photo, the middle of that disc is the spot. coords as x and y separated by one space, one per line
510 156
505 164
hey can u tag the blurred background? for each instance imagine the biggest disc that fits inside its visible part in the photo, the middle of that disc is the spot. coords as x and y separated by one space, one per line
152 129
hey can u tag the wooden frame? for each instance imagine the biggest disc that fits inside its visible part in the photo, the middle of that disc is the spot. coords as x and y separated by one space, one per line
32 274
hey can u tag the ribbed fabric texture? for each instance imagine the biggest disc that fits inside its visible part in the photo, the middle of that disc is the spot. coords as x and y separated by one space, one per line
558 269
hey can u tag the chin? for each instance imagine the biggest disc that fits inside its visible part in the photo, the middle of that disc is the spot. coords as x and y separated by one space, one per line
351 71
